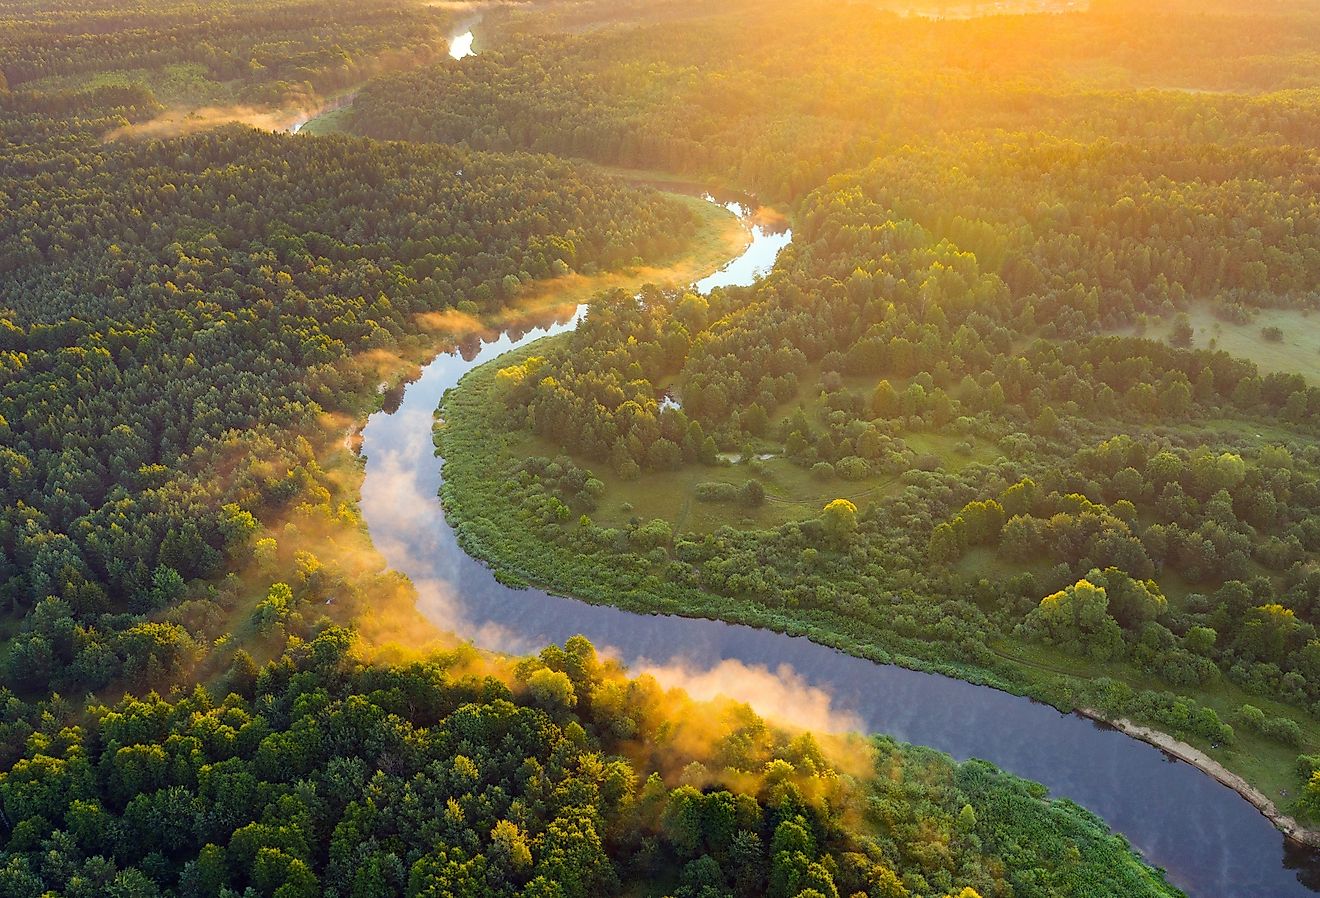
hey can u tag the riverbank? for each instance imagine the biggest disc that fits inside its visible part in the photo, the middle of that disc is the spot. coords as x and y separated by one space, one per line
1286 824
1126 779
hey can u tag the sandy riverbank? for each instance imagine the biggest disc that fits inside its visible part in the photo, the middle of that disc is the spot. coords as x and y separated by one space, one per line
1203 762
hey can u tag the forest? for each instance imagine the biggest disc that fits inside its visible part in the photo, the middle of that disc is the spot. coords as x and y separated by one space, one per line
977 420
179 319
778 100
556 777
160 331
240 51
938 431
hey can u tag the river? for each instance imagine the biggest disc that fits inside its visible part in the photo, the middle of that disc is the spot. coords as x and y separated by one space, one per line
1211 841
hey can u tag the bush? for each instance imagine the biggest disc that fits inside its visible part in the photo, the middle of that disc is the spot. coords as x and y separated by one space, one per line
1284 730
655 534
1279 729
752 494
852 468
716 491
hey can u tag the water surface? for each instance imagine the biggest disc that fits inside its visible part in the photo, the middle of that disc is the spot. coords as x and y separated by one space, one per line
460 45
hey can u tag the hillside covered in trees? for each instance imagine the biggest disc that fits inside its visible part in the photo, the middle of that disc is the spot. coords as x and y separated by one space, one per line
261 52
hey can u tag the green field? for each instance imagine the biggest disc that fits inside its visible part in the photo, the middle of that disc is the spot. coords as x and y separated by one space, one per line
792 492
1298 352
331 122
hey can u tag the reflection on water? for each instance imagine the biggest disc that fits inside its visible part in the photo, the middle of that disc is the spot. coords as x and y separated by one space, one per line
759 256
1212 842
460 45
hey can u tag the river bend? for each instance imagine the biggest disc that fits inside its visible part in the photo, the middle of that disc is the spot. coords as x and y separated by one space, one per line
1212 842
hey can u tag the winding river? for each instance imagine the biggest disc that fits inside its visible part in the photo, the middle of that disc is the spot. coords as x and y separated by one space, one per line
1211 841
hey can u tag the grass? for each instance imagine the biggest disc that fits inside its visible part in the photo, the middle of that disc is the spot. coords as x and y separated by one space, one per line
1298 352
184 84
332 122
985 563
1253 433
1266 764
793 493
944 446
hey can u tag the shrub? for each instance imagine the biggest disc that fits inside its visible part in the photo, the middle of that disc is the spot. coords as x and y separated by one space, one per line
716 491
852 468
653 534
752 494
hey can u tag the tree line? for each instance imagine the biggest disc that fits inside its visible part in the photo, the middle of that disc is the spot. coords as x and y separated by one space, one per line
555 777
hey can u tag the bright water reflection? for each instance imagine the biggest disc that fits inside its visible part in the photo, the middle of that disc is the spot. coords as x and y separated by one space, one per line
460 45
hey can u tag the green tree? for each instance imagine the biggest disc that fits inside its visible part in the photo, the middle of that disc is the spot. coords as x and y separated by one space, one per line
840 520
1182 333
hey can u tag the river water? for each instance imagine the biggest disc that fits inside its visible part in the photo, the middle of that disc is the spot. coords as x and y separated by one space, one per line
1211 841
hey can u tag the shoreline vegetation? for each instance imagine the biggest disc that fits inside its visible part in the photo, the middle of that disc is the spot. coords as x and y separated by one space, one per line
546 768
461 439
720 237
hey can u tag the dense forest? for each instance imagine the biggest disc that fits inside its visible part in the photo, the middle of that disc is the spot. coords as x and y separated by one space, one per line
944 431
247 51
176 319
556 777
777 99
939 430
